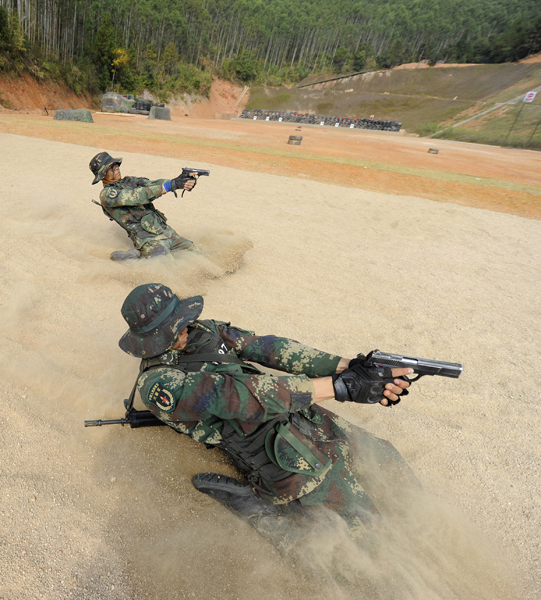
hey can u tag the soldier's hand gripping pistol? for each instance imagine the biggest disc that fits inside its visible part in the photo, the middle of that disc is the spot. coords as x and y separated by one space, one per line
366 376
186 175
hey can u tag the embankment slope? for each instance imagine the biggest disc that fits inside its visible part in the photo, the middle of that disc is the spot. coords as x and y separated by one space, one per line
414 97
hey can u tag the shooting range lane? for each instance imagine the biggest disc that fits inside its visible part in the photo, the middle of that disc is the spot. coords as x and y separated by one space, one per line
467 174
111 511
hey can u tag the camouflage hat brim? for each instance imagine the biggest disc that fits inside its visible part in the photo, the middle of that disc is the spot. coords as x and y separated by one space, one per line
159 335
105 167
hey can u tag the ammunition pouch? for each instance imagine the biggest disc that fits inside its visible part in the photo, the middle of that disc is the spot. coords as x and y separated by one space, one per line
152 223
292 450
275 450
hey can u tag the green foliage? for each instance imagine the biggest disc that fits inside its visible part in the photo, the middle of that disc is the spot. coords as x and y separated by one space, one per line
277 102
186 78
103 52
13 46
359 59
340 58
169 59
274 76
245 66
427 129
136 44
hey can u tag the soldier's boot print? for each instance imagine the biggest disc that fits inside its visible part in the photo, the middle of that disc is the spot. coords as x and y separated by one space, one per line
119 255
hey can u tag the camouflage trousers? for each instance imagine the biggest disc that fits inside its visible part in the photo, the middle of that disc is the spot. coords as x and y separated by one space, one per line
164 247
369 476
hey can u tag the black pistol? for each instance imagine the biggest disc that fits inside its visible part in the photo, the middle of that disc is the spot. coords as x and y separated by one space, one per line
187 174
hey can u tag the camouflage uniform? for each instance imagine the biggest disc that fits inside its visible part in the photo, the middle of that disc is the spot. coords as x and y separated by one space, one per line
309 449
129 203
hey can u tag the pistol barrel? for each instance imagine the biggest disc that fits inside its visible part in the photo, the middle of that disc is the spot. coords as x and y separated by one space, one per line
423 366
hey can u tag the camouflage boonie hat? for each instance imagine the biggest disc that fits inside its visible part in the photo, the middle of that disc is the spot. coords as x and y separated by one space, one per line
101 163
156 316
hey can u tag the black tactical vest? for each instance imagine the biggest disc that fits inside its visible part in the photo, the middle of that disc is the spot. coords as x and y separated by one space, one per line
256 454
141 223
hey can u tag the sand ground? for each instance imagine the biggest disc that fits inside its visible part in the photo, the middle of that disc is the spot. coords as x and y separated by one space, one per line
111 513
498 179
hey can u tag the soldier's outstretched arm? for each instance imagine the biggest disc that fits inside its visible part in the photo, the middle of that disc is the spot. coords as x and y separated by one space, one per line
111 197
279 353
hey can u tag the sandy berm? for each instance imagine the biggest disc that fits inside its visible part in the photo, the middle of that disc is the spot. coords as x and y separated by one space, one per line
111 512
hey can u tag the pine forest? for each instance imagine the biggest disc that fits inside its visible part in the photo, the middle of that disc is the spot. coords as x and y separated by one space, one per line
178 45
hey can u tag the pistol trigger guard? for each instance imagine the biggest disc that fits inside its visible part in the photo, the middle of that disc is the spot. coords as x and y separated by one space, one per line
410 380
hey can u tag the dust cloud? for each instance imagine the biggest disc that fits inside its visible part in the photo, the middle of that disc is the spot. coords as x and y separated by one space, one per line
111 513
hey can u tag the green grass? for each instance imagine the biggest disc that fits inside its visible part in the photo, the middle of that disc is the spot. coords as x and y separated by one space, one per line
324 108
273 102
423 100
512 127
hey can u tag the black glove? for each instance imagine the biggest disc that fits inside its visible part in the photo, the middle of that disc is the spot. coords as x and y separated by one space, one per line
178 183
363 384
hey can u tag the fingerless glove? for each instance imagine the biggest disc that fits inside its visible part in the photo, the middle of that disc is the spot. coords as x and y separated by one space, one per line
364 385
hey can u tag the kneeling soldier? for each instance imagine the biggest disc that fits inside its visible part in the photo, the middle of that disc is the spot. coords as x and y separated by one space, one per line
129 202
294 452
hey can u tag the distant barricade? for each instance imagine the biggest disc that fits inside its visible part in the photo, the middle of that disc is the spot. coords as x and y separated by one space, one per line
116 103
142 107
308 119
112 102
159 112
73 115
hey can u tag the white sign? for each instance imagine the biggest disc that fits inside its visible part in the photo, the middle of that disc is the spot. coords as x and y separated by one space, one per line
255 118
322 123
267 118
352 126
280 119
337 124
530 96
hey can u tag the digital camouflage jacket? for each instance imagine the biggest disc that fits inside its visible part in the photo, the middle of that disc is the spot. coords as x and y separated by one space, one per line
222 403
129 203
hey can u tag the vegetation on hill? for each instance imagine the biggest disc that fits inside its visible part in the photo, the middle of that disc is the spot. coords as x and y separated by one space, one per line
427 101
175 45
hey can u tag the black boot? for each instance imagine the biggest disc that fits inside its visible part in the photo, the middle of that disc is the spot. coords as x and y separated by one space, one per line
132 254
277 523
235 496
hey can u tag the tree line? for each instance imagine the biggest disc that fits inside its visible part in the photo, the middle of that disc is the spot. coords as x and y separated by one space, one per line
132 44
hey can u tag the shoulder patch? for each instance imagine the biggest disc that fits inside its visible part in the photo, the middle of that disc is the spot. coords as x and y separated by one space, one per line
111 193
161 397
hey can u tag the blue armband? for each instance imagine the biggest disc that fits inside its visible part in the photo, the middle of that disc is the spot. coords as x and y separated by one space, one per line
167 186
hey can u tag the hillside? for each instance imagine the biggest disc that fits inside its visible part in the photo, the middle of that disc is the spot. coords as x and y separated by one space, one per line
502 118
420 98
25 94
